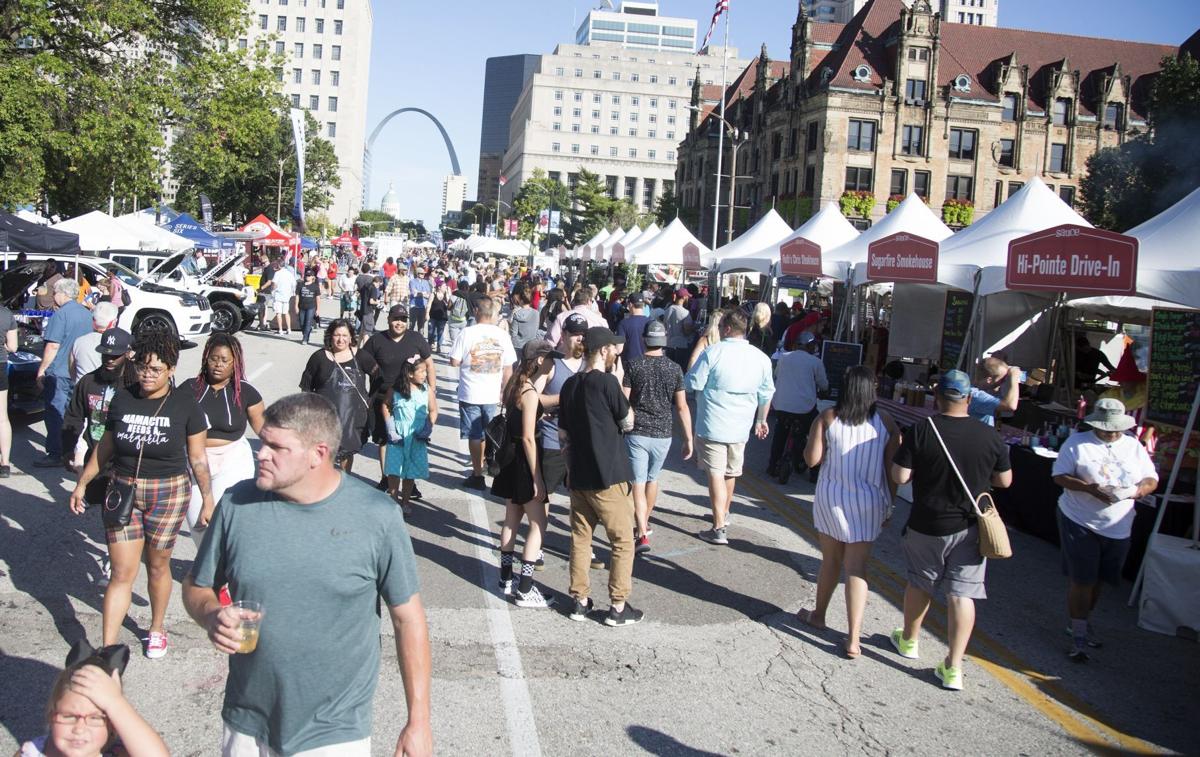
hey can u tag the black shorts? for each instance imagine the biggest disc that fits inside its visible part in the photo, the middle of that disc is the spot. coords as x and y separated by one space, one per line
378 430
4 380
554 469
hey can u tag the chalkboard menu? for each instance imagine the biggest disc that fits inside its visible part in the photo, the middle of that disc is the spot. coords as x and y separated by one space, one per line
955 323
839 357
1174 365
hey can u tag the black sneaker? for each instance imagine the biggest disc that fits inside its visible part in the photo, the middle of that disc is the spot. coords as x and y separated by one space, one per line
416 493
1078 655
475 482
49 461
625 617
382 485
581 609
5 471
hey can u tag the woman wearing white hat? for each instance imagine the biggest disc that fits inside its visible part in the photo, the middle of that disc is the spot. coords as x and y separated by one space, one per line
1102 471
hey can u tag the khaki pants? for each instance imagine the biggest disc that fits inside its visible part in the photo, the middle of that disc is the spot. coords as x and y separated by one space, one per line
612 507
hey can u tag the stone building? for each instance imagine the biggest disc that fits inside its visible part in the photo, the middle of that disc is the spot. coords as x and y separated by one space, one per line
899 101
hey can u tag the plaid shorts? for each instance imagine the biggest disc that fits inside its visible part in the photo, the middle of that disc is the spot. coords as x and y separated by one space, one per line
159 507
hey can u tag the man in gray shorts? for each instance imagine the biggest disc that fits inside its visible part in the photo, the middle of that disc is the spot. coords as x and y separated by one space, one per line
941 538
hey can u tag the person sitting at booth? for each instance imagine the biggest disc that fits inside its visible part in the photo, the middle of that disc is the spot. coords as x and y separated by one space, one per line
1088 360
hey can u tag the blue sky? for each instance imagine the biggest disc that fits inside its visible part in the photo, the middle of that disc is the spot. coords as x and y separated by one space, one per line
430 54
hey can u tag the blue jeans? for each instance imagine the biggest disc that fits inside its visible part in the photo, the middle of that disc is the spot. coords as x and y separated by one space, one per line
307 317
56 390
436 329
473 419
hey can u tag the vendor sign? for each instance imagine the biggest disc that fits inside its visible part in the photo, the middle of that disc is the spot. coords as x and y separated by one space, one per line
618 255
800 257
691 257
903 257
1071 258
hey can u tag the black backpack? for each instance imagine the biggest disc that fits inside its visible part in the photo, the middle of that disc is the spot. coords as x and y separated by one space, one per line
501 441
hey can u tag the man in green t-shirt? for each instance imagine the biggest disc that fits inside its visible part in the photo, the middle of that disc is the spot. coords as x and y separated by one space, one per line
314 548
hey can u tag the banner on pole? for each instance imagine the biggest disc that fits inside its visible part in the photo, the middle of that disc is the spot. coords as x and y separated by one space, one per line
206 211
298 129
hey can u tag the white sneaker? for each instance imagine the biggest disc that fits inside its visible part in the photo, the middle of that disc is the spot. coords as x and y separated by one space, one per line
506 588
156 645
533 598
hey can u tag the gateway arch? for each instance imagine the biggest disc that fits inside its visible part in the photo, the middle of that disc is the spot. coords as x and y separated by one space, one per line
375 134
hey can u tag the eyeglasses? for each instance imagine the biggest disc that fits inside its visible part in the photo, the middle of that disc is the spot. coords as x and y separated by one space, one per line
95 720
151 371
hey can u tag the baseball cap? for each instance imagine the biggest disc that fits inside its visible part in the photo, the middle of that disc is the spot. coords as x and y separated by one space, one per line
540 348
575 324
654 334
954 385
636 299
682 292
398 313
599 337
114 342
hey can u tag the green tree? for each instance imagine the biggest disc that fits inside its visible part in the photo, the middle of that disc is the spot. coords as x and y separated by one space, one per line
592 209
538 193
1127 185
666 209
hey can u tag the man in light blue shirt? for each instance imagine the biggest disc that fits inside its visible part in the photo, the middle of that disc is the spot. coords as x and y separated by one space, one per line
999 393
734 386
69 322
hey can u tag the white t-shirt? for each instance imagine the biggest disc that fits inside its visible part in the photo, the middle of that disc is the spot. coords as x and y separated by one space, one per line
84 355
483 351
285 283
1120 465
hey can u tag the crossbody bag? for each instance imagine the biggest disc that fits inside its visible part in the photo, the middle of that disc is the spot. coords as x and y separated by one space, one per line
118 500
993 536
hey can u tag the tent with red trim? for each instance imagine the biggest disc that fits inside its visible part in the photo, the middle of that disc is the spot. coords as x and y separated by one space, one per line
346 240
268 234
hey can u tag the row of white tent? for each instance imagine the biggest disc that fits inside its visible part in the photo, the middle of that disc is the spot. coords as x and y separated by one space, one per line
481 245
98 231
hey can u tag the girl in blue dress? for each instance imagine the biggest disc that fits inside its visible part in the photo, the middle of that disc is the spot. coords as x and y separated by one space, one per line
409 426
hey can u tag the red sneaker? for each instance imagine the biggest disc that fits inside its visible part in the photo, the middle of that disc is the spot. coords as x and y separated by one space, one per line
643 544
156 645
223 595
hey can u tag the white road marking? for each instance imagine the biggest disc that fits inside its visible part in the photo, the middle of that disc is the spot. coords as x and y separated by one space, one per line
260 370
514 691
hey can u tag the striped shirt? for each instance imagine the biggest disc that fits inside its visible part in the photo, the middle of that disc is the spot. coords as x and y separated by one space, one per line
852 498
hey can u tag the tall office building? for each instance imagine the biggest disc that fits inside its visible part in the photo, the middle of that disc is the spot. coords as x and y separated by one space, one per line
454 193
504 79
615 105
976 12
328 49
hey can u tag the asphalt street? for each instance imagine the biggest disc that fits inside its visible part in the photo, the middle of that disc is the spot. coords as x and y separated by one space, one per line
719 666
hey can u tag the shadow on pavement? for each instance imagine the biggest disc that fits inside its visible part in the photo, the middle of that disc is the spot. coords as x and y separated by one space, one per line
657 742
24 716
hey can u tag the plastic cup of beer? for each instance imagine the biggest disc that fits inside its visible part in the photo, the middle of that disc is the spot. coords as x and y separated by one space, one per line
250 615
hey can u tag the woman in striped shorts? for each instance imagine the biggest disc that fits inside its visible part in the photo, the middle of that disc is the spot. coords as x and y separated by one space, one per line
854 444
154 433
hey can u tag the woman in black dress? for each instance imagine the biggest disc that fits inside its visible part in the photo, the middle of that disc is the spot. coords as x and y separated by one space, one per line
341 374
520 478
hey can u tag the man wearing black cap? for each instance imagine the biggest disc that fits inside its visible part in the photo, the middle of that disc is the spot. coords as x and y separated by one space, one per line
595 414
390 350
87 411
631 327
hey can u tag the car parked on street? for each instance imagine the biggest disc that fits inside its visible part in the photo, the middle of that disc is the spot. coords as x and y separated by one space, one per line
233 303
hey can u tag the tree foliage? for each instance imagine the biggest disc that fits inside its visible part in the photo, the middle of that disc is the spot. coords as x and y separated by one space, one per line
1129 184
666 209
539 192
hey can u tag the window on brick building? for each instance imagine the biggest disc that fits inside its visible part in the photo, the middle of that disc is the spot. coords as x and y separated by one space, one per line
810 139
1114 116
962 144
1060 111
1007 153
899 183
959 187
1058 158
914 89
912 140
1008 106
921 184
861 135
1067 194
858 179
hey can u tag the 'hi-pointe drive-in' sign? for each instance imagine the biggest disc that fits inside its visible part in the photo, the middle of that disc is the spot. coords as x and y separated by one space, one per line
903 257
800 257
1071 258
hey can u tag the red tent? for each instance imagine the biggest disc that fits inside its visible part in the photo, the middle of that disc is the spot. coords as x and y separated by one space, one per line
268 234
346 240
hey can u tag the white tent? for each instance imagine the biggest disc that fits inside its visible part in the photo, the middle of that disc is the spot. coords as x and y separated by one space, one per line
911 216
100 231
754 249
29 215
631 237
983 247
649 233
666 247
603 251
828 228
588 249
1168 267
153 236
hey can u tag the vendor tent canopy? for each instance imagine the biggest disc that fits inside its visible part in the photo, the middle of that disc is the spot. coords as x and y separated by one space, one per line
667 247
153 236
586 249
268 234
188 227
912 216
830 230
346 240
32 217
756 249
1168 266
631 237
25 236
161 215
99 231
982 247
649 233
603 251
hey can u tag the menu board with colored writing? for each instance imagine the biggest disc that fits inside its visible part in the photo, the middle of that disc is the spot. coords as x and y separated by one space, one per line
955 323
839 357
1174 365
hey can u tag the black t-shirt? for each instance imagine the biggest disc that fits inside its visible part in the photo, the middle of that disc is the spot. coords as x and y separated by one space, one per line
308 294
390 354
590 408
319 370
653 382
940 506
161 436
226 418
265 278
631 327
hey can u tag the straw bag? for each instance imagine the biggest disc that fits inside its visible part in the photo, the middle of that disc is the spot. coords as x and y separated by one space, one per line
993 536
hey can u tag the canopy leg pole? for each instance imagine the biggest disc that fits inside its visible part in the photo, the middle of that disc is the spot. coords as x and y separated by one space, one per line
969 345
1166 500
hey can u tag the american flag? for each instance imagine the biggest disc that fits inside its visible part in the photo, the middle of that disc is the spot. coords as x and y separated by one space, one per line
722 7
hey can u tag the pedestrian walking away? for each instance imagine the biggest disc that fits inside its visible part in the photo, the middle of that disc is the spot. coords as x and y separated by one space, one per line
8 345
799 379
307 296
69 322
484 355
854 444
734 386
941 538
594 413
295 621
1102 470
154 435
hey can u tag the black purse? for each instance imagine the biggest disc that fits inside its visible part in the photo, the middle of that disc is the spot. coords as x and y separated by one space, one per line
118 500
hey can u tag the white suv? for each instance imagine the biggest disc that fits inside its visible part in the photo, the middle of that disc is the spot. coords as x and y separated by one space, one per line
233 303
151 306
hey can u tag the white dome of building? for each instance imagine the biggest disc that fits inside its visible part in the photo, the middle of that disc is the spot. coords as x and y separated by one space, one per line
390 203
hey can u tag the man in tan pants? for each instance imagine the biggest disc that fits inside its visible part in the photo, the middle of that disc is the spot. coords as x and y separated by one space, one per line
594 414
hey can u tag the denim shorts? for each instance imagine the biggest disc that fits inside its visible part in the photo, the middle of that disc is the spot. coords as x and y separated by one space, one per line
647 455
1087 557
473 419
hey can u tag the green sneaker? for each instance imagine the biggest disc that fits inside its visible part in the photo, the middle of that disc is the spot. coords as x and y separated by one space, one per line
951 678
904 647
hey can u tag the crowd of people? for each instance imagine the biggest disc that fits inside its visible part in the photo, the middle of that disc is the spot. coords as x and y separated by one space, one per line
560 384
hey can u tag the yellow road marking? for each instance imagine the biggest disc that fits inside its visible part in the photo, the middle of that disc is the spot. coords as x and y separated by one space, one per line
1044 693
